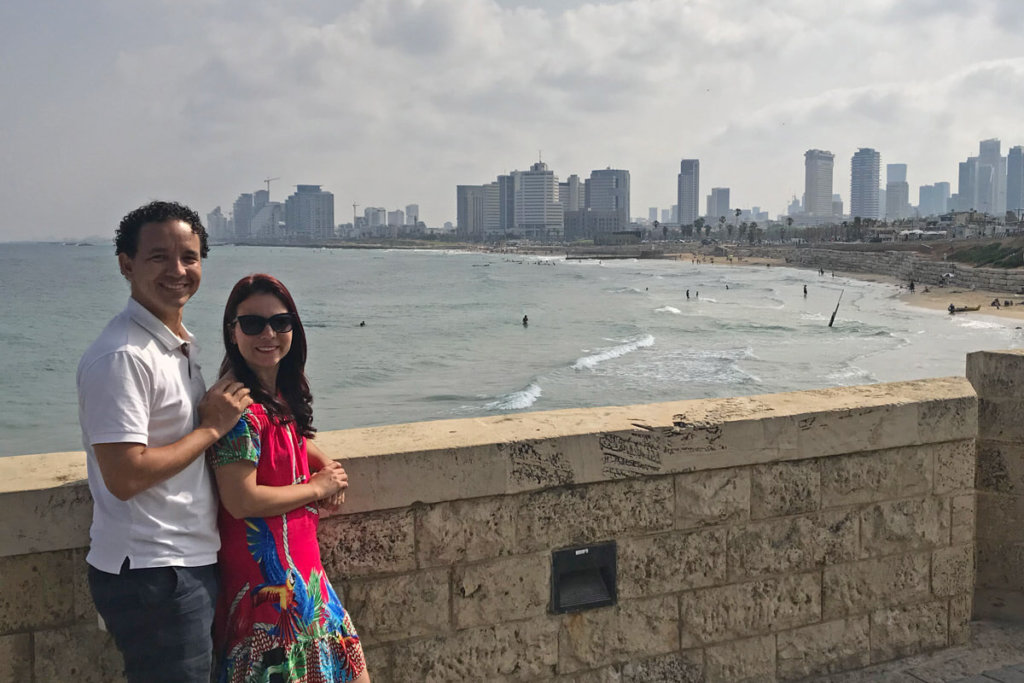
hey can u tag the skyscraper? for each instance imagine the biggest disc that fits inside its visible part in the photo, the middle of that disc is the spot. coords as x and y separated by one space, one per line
688 191
991 180
608 191
309 213
897 192
242 212
818 183
864 183
538 214
1015 180
412 214
718 205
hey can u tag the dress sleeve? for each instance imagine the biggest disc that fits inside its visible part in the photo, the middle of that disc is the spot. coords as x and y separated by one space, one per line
241 444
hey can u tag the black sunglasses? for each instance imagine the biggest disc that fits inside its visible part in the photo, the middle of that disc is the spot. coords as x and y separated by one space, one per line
254 324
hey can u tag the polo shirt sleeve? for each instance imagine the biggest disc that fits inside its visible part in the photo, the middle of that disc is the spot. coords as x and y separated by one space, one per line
115 394
241 444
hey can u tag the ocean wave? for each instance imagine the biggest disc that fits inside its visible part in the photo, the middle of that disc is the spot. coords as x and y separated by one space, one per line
668 309
591 361
624 290
851 375
517 400
978 324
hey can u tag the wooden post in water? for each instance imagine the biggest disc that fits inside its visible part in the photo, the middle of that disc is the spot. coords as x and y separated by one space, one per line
833 318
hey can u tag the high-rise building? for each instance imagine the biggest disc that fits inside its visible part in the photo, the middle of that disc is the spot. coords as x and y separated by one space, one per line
865 167
897 192
666 216
469 211
652 214
607 191
1015 180
268 220
932 199
309 213
259 200
396 217
818 183
837 205
688 191
506 203
570 194
967 185
242 213
718 205
538 213
991 181
217 224
412 214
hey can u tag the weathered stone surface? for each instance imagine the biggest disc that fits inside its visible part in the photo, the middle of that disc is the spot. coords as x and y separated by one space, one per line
378 663
999 565
713 615
670 562
536 463
752 659
16 655
860 587
84 609
903 525
785 488
30 590
522 651
394 607
999 419
953 571
678 667
506 589
464 531
954 466
56 518
630 629
605 674
1000 467
551 519
996 373
1000 517
81 653
712 497
793 544
877 476
859 429
947 419
367 543
960 619
962 518
824 648
904 631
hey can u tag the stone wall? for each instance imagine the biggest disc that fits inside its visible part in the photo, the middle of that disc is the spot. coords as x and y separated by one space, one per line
997 377
766 537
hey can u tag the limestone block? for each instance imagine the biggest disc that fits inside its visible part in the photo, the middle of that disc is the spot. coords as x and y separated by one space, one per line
947 418
875 476
84 609
506 589
54 518
606 674
16 654
999 419
367 543
403 606
960 619
962 517
630 629
997 604
520 651
858 429
824 648
903 525
860 587
32 590
953 571
712 497
378 663
560 517
995 374
80 653
792 544
679 667
537 463
752 659
785 488
464 531
670 562
1000 467
904 631
713 615
999 565
954 466
1000 517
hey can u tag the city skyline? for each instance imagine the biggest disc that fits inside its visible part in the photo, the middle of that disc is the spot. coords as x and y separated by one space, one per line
385 102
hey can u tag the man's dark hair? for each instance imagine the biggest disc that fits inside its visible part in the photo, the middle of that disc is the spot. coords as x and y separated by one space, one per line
126 239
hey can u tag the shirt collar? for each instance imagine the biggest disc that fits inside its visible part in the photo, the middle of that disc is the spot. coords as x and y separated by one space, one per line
149 322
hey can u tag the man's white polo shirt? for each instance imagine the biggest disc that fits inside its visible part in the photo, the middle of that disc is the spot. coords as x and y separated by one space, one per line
137 385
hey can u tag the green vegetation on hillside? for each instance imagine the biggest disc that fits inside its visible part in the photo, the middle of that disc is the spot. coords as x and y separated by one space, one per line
995 254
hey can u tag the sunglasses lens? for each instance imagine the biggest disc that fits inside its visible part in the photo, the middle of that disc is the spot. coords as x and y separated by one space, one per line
280 323
255 324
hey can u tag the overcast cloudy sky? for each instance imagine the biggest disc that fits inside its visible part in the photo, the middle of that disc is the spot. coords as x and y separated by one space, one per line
109 103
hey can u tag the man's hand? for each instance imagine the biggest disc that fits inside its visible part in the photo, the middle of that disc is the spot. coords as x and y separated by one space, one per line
223 405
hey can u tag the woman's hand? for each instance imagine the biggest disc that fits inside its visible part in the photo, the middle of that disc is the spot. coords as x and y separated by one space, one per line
330 481
332 503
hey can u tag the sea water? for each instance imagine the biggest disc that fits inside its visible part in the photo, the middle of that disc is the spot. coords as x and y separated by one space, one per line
444 336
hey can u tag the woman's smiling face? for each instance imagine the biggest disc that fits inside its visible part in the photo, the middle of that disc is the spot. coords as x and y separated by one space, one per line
264 351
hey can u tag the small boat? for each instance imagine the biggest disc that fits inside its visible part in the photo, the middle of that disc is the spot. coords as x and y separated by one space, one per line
962 309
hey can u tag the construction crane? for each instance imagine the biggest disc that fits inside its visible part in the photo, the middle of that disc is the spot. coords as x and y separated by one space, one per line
268 181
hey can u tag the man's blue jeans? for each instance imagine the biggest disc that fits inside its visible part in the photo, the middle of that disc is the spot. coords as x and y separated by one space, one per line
161 620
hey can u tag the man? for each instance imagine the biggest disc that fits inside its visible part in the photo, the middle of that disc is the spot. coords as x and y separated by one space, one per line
146 425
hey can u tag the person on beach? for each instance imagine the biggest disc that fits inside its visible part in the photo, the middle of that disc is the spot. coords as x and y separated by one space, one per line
278 614
146 419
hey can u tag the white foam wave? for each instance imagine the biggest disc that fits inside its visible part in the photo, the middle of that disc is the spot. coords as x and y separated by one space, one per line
517 400
668 309
979 324
591 361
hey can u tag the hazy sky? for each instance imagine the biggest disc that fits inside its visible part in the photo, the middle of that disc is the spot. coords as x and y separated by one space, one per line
110 103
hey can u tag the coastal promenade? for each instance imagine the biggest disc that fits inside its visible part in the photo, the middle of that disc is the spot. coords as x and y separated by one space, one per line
774 537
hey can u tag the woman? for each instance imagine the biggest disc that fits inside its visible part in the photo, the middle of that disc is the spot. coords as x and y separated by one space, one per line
278 614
